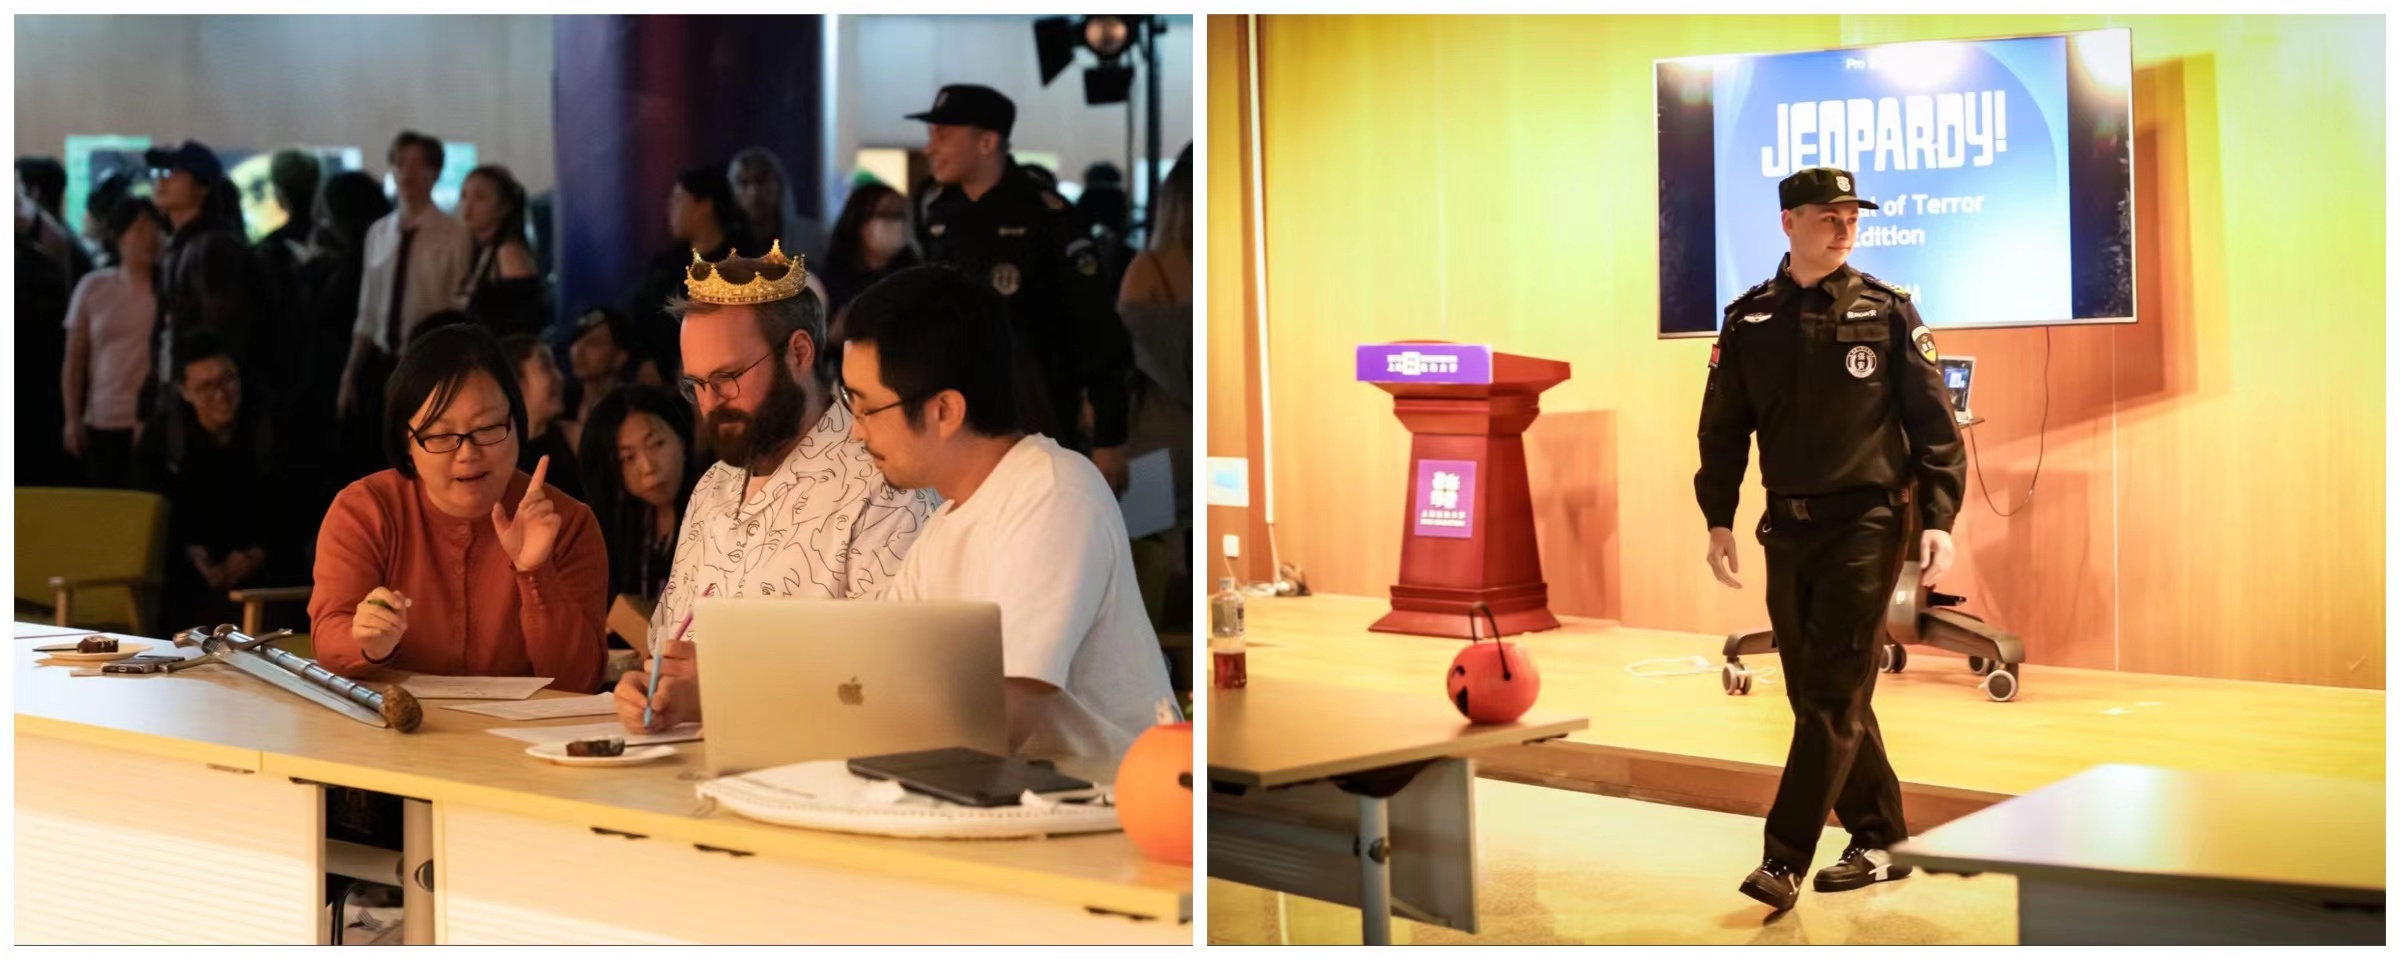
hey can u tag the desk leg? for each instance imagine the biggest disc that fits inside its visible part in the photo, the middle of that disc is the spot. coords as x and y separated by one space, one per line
416 872
1375 872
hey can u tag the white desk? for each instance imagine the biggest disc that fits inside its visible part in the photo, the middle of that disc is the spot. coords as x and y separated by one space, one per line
2131 855
1280 734
206 780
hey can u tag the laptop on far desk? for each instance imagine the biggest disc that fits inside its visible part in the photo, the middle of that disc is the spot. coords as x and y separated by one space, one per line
787 681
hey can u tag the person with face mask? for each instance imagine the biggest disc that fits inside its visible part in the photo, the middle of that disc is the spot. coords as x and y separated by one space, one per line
453 562
794 507
870 242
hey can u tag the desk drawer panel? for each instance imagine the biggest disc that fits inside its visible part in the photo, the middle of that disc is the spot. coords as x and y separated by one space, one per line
103 832
510 879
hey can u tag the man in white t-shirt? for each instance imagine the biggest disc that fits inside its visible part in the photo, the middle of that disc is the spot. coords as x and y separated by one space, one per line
1024 523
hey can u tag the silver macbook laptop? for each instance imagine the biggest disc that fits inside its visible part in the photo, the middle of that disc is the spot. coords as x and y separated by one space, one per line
786 681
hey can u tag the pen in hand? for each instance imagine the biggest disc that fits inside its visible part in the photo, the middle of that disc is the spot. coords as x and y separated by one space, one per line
658 654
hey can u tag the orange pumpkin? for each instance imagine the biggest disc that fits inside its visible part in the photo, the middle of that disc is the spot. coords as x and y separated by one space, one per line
1154 793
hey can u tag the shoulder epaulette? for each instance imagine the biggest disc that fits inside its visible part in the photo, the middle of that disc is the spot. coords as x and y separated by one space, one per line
1747 294
1879 284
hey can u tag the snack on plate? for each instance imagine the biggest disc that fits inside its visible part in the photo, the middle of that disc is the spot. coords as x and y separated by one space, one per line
96 644
597 747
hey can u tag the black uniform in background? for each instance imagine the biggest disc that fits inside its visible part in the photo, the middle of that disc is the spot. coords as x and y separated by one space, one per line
1839 382
1029 244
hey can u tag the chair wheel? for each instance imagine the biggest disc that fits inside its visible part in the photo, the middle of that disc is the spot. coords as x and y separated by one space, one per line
1736 679
1980 665
1895 658
2001 685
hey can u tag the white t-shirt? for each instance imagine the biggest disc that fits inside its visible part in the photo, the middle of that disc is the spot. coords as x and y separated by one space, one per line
1043 538
118 315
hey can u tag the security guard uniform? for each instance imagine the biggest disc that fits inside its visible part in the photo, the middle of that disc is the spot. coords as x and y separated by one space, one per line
1839 381
1041 255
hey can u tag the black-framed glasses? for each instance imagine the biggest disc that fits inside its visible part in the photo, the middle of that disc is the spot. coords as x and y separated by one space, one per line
850 403
723 386
448 442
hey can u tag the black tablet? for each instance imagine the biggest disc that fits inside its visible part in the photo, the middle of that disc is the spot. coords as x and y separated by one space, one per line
963 776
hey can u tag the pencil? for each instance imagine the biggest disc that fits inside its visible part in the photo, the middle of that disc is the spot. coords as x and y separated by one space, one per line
658 653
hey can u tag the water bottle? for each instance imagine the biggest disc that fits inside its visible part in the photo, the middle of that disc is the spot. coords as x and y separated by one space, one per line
1228 657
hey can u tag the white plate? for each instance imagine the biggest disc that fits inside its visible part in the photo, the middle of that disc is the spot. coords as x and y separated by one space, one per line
557 753
125 648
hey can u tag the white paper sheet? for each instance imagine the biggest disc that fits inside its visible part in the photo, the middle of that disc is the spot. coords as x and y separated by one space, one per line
430 687
681 733
549 708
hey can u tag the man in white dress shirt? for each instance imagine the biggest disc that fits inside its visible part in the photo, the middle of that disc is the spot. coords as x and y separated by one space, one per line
417 257
1025 523
794 507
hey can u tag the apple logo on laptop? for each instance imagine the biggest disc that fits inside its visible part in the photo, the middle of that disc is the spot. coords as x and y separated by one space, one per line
852 693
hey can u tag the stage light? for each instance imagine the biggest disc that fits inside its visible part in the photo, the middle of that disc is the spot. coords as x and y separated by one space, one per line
1106 35
1055 40
1107 83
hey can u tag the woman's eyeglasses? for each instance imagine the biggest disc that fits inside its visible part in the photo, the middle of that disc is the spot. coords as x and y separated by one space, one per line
449 442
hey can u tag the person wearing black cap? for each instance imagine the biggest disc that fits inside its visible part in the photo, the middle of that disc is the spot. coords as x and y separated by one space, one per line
1837 375
209 278
993 221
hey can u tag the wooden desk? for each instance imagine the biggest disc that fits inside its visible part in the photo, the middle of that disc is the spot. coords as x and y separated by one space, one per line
111 769
1283 733
2124 854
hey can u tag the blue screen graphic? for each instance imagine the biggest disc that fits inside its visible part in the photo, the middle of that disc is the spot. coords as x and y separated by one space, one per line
1962 144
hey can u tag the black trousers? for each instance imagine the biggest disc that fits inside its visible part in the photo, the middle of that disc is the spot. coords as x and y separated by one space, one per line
1827 584
108 458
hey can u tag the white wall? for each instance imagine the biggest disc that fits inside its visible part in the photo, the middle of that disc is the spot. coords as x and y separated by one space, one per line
890 66
262 82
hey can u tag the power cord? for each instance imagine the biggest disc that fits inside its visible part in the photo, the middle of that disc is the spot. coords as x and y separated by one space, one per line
2041 448
1692 666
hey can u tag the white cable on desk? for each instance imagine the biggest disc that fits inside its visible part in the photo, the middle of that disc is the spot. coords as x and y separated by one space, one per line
1693 666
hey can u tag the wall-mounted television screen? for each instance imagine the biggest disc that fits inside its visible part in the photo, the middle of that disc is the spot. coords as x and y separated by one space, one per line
2002 168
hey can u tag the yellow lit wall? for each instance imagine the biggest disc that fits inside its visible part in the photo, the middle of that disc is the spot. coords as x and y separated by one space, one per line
2211 493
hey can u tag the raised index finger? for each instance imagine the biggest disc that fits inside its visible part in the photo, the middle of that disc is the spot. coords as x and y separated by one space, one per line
540 470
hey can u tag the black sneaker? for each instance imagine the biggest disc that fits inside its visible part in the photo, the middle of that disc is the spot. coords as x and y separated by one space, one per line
1860 866
1774 883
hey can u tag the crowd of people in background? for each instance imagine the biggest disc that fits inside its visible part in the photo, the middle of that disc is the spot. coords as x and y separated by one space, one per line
246 381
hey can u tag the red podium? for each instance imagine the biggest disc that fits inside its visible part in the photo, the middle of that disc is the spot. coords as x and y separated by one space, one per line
1467 535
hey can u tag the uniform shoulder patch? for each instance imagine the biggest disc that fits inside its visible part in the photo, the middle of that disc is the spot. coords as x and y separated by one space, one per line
1053 200
1880 284
1923 338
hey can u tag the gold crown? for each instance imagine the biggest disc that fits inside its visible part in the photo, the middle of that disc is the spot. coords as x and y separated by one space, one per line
769 278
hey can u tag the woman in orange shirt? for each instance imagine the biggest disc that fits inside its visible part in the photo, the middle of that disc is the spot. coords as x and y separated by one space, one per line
453 562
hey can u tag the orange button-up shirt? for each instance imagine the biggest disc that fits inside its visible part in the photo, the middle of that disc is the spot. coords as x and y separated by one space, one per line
472 613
